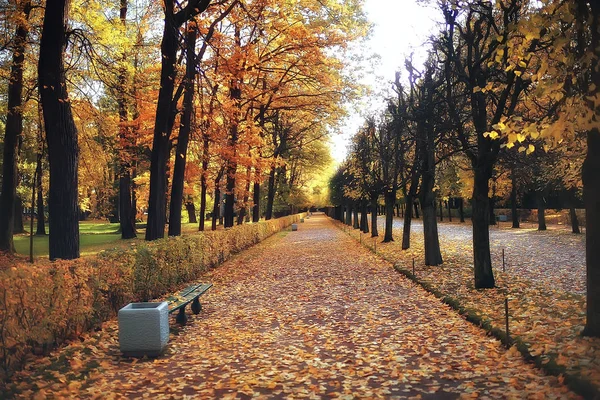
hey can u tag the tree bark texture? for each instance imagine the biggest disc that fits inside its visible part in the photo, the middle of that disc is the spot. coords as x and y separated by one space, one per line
364 220
484 276
541 209
513 202
61 135
355 220
183 139
256 198
13 131
374 201
41 218
389 199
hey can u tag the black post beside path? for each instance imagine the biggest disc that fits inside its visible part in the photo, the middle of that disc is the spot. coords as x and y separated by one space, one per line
506 316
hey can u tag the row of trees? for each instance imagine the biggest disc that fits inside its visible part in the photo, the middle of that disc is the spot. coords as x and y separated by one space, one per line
509 85
232 104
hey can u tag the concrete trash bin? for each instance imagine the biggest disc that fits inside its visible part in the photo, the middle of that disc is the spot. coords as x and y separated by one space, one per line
144 329
294 227
302 220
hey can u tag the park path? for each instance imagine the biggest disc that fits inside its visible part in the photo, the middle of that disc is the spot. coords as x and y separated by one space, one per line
310 314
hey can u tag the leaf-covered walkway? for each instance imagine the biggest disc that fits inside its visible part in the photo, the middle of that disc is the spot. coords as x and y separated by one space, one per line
306 314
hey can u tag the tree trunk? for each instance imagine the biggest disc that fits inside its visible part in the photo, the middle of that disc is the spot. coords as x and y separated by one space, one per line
61 135
13 131
374 201
244 207
416 207
348 214
41 220
591 193
185 126
407 222
433 255
191 210
157 200
461 209
449 210
364 220
484 276
390 199
256 197
270 194
203 183
217 207
574 220
125 210
18 226
441 211
591 198
541 208
155 227
513 202
355 222
491 211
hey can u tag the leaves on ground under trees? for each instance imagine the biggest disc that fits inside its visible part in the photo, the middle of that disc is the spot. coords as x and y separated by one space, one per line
305 315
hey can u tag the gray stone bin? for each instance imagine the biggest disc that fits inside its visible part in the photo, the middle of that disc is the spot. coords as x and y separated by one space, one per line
144 329
294 227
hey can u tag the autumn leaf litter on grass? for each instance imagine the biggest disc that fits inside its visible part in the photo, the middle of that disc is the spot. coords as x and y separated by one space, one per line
308 315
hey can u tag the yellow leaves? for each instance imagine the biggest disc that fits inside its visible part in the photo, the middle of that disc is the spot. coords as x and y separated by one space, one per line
491 135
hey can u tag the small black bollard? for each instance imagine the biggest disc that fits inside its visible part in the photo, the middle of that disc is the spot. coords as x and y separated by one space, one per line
506 315
503 264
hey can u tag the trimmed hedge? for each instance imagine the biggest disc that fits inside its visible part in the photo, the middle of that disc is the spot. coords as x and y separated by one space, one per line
41 306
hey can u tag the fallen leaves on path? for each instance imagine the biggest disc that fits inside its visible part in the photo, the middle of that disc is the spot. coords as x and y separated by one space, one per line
546 317
309 314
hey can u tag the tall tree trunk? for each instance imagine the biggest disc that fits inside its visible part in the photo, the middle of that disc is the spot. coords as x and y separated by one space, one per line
441 210
416 207
13 130
364 220
374 201
270 194
61 135
591 188
41 224
183 139
203 183
513 202
217 207
491 211
449 210
484 276
355 221
157 200
389 198
191 210
461 209
541 209
126 211
18 226
244 207
256 197
348 213
591 198
433 255
574 220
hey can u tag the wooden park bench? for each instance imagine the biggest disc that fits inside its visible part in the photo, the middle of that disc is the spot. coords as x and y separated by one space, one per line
190 294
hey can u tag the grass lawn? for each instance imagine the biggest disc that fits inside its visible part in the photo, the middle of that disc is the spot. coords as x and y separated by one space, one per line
94 237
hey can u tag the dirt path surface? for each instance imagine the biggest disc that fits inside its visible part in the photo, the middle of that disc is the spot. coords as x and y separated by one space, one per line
309 314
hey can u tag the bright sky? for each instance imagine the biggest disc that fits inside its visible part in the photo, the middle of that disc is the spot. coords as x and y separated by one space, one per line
401 27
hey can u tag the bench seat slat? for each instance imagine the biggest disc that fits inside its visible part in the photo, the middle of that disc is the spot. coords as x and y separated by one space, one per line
189 296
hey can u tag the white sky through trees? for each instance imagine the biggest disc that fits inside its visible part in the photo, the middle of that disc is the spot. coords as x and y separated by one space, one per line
400 27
